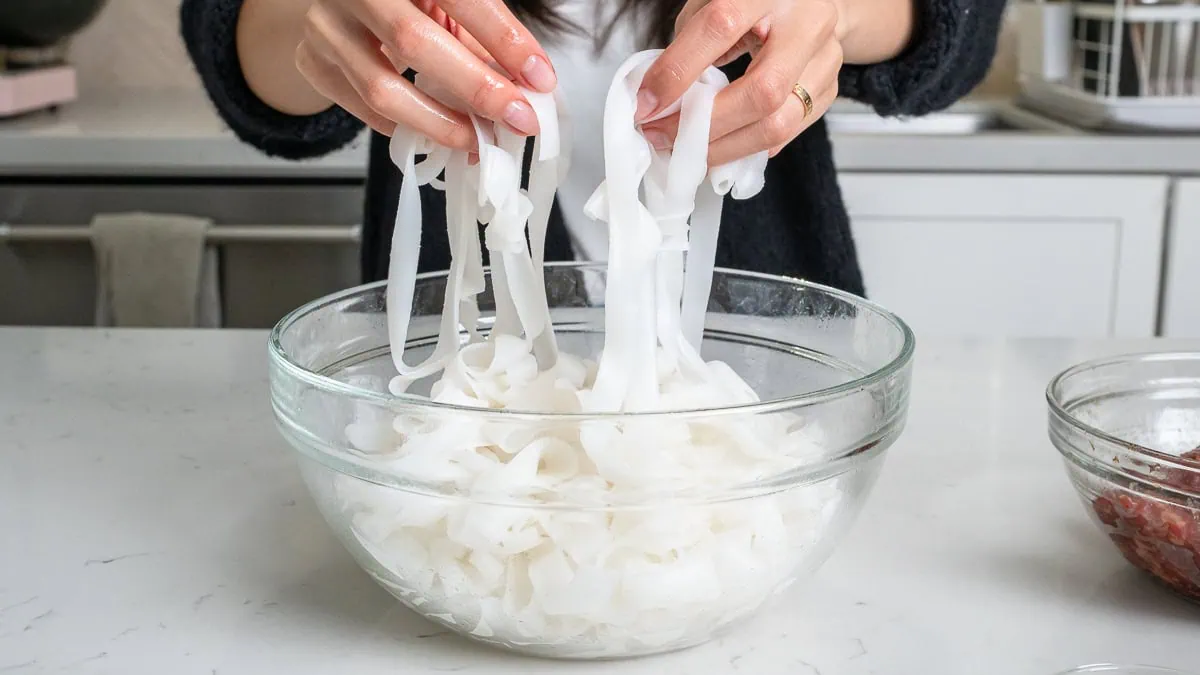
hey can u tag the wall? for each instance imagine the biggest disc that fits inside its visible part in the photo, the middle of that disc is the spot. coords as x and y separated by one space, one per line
133 43
1002 79
136 43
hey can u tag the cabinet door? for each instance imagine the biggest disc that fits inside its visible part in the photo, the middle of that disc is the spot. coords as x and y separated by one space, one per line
1181 286
1012 255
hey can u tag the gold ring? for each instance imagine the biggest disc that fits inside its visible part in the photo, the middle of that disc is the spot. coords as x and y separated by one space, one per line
804 97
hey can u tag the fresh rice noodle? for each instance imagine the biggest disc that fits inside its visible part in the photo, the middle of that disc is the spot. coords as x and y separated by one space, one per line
581 582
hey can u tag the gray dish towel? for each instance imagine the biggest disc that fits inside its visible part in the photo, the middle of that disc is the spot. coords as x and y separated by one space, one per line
155 270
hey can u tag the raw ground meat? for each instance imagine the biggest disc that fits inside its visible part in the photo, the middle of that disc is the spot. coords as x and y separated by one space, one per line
1160 538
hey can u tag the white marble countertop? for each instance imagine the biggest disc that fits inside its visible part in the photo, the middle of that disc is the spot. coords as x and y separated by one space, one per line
152 521
156 132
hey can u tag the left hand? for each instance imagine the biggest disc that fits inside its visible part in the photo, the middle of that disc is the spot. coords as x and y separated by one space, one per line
791 42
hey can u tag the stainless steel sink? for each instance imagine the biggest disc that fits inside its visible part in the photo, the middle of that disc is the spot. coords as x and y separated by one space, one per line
966 118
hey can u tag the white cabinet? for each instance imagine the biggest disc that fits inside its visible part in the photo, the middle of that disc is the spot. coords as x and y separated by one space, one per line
1012 255
1181 280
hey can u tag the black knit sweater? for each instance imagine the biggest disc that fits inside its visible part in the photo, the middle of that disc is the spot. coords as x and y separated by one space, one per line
797 226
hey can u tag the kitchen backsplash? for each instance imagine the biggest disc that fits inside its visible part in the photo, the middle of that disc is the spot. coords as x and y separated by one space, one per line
135 43
1002 78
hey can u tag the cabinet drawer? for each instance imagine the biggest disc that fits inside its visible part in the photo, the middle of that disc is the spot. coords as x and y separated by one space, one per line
1012 256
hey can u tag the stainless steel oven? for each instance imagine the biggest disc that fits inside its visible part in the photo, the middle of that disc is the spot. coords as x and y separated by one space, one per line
281 243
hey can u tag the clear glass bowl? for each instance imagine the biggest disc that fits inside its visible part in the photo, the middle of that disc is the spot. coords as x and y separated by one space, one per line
1128 429
595 574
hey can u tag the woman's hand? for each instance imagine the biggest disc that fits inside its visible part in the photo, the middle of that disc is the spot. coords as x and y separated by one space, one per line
791 42
354 52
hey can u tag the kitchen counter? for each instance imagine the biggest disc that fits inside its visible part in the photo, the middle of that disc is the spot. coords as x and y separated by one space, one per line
149 132
176 133
152 521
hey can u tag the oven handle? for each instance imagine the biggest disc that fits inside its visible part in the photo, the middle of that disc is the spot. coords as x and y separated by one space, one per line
218 234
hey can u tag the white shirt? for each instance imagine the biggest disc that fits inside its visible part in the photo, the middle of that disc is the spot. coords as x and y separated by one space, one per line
584 77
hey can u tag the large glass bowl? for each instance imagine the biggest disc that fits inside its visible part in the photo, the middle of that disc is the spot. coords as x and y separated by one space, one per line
1128 429
595 574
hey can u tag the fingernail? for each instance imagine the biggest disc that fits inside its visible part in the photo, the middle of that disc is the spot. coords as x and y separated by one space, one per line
647 104
537 71
657 139
472 158
519 115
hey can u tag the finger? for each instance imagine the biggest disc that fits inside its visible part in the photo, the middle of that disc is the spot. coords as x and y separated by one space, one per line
451 26
689 10
464 36
427 48
810 55
330 82
438 94
506 39
425 86
821 105
392 58
661 133
376 81
773 132
713 30
749 44
732 110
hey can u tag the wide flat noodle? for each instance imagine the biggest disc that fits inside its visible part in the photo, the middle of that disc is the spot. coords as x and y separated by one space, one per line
552 152
647 240
647 246
580 582
489 193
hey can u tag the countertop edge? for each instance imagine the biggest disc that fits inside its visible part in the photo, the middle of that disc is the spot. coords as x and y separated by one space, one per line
206 157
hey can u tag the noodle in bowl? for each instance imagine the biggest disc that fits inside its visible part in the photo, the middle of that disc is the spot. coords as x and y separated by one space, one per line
586 462
691 526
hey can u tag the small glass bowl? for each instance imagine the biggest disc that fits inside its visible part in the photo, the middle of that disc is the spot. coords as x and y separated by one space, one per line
566 574
1128 428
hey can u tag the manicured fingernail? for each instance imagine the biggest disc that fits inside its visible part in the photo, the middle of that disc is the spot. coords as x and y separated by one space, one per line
519 115
647 104
658 139
537 71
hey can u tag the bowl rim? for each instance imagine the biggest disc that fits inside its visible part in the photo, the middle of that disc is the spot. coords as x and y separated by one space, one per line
280 357
1059 410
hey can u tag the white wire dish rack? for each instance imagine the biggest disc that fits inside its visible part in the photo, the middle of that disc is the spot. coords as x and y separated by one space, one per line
1112 64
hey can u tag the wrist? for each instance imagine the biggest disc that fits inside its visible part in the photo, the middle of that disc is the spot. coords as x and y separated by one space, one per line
268 33
872 31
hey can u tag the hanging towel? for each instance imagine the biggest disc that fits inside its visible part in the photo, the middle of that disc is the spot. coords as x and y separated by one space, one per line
155 270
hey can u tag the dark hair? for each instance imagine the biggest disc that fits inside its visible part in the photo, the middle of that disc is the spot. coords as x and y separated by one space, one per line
655 19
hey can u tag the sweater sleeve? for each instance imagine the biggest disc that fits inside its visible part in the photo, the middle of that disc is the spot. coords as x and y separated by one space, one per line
951 51
208 28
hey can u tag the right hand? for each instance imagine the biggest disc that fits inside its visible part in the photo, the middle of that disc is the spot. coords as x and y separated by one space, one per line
355 52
